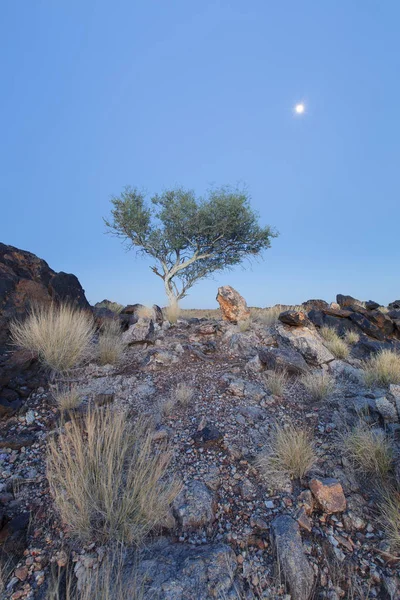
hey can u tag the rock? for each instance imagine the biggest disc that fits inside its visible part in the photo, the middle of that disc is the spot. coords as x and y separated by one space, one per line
65 288
13 535
208 436
16 442
296 570
141 332
307 342
314 305
365 348
387 410
296 318
233 305
104 398
283 359
344 301
394 304
158 315
303 520
171 571
367 326
371 305
195 506
9 408
329 495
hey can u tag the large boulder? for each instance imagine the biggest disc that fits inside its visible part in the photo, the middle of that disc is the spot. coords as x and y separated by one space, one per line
233 305
305 341
297 571
344 301
283 359
296 318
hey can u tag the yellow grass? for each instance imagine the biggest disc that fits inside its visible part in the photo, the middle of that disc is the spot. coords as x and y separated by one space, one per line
352 337
276 382
110 346
318 385
60 335
290 451
382 368
107 479
334 343
183 393
67 397
172 312
369 450
390 516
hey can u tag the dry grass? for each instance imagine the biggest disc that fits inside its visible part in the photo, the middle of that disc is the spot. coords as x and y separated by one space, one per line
60 335
110 345
66 397
383 368
244 325
318 385
172 312
334 343
276 382
183 394
390 517
145 312
290 451
107 479
201 313
370 451
352 337
6 570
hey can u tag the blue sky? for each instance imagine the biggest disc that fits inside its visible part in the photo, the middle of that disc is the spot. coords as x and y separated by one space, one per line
99 94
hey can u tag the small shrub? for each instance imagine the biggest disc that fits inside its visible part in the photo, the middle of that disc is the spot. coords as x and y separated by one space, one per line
107 479
390 516
328 333
383 368
369 450
183 394
276 382
110 345
67 397
318 385
290 451
60 335
172 312
352 337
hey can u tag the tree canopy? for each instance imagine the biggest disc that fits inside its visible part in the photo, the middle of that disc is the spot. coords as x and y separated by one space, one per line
190 238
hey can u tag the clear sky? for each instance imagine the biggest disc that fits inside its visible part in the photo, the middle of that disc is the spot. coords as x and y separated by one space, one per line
98 94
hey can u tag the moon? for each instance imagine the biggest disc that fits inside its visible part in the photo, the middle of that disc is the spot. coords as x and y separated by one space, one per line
299 109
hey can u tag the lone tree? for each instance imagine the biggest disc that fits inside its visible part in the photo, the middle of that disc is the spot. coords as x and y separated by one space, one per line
190 238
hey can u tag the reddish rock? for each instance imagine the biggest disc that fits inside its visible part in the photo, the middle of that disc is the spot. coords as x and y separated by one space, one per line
295 318
21 573
314 304
233 305
329 495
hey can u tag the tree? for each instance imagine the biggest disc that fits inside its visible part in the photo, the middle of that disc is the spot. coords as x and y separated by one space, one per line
190 238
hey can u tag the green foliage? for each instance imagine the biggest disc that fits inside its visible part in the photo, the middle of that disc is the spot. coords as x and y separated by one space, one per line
189 237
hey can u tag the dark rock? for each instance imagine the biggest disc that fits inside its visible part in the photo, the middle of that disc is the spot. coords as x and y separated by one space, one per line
102 315
315 305
394 314
104 398
283 359
371 305
158 315
316 317
208 436
13 535
344 301
337 312
296 569
9 407
365 348
394 304
65 288
16 442
367 326
132 309
294 318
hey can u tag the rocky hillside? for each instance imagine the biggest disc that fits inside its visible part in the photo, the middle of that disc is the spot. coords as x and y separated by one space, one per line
254 518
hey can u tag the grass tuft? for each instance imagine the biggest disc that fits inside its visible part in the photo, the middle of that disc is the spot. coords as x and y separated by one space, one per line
60 335
369 450
390 516
382 368
276 382
183 394
66 397
107 479
318 385
110 345
352 337
334 343
172 312
290 451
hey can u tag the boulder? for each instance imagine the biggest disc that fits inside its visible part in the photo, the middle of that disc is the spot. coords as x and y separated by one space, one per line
233 305
297 571
329 494
394 304
307 342
141 332
195 506
296 318
314 305
158 315
387 410
285 359
371 305
344 301
367 326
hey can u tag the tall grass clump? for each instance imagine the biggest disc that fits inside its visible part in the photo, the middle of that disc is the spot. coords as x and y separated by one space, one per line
172 312
318 385
289 451
276 382
110 345
382 368
60 335
370 450
108 479
67 397
390 517
352 337
334 343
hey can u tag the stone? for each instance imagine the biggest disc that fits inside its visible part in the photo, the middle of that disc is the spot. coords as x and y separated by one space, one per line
366 325
9 408
394 304
16 442
233 305
329 495
297 571
104 398
314 304
13 535
303 520
283 359
141 332
171 571
371 305
344 301
208 436
158 315
195 506
387 410
295 318
307 342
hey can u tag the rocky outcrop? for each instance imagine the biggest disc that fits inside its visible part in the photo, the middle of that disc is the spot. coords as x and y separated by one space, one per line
233 305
